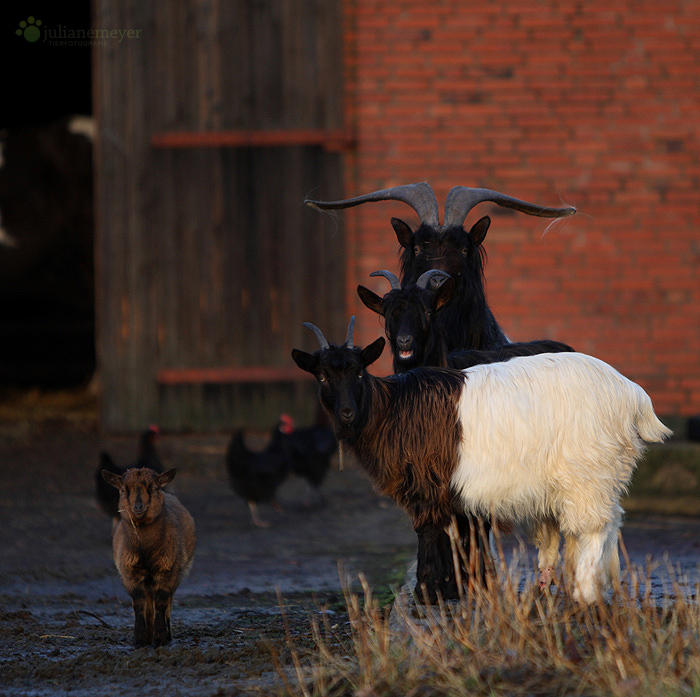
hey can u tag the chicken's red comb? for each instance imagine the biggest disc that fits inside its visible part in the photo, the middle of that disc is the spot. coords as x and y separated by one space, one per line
286 423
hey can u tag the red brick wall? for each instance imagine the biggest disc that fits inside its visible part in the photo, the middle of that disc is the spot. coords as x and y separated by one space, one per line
594 104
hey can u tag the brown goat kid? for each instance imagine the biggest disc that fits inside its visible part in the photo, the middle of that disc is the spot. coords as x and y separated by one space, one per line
153 547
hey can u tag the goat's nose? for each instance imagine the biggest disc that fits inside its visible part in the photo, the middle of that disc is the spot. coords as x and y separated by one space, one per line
347 415
404 341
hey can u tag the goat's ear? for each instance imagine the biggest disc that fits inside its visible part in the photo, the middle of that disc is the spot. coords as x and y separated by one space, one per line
404 234
373 351
479 230
306 361
444 293
370 299
167 477
111 478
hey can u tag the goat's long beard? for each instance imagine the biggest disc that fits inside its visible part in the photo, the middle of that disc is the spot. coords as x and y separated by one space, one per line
341 456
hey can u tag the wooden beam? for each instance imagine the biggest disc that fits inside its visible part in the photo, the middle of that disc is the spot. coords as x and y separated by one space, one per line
223 375
331 140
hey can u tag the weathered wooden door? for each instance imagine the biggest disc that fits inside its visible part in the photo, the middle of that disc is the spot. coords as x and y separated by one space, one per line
213 125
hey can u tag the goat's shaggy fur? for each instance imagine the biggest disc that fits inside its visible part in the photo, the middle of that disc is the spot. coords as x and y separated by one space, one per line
405 464
551 439
468 358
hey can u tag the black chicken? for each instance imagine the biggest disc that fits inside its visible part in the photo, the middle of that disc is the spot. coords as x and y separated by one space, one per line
310 451
107 496
255 476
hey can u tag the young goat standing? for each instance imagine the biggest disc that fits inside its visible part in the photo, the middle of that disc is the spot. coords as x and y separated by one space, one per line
153 548
552 439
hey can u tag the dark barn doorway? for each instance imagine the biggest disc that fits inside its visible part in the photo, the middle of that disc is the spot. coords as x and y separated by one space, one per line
47 327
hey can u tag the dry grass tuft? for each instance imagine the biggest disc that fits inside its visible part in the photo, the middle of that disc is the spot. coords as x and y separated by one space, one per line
508 640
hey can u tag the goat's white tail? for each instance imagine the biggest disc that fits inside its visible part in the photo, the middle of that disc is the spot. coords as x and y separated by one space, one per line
648 425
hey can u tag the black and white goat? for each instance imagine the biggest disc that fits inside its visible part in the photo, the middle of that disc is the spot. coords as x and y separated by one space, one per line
552 438
417 338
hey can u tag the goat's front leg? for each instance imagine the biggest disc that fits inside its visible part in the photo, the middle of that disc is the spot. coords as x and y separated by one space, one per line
435 575
143 617
437 566
161 625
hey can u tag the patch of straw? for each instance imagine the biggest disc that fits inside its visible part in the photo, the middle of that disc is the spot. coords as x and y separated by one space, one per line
502 639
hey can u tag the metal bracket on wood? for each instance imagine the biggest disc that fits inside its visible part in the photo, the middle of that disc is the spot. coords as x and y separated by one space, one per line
330 140
227 375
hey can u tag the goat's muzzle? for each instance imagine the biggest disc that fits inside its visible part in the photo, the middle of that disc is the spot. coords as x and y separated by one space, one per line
138 511
405 349
347 415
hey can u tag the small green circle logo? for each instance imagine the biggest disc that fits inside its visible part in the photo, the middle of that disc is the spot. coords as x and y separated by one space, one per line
29 29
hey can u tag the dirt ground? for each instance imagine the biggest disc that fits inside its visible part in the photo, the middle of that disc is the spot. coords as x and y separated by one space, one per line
66 621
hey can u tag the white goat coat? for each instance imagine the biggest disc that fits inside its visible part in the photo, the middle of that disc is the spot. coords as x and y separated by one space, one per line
549 434
553 437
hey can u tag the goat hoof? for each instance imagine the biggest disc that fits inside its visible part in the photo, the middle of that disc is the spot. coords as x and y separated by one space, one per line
142 638
161 640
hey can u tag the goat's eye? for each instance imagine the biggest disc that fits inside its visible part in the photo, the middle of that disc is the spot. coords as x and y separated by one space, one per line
359 376
416 249
465 251
321 378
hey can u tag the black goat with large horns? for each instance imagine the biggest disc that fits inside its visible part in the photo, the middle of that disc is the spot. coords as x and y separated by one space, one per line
467 319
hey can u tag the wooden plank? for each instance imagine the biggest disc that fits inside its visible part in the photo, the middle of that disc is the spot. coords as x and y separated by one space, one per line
335 140
229 374
126 339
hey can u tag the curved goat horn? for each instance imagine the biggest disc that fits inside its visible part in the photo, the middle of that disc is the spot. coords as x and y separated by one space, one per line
461 199
351 327
395 283
439 278
319 335
420 197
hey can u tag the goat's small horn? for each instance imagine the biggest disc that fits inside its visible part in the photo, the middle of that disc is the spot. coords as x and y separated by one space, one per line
319 335
419 196
351 328
461 199
435 277
395 283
